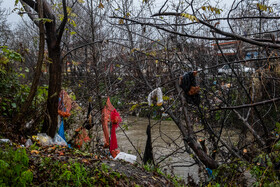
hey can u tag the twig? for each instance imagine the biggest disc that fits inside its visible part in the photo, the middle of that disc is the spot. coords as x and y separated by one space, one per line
246 105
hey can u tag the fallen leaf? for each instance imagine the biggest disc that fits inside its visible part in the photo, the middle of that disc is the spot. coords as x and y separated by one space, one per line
61 153
35 151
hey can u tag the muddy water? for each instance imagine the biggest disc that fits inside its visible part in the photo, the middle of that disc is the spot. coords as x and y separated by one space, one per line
166 139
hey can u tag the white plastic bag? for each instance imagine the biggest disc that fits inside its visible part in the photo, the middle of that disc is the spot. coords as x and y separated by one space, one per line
5 141
44 139
28 143
155 94
58 140
127 157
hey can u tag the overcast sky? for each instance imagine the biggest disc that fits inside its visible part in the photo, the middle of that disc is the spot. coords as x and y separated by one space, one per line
13 17
9 6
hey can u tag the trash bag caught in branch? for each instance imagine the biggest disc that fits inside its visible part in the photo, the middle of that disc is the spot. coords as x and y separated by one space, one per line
115 119
82 137
156 94
106 112
64 104
188 83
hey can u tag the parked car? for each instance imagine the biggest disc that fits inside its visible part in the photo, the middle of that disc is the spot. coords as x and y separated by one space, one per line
237 67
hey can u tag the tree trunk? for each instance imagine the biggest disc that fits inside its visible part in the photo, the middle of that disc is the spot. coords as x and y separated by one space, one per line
53 38
20 117
50 122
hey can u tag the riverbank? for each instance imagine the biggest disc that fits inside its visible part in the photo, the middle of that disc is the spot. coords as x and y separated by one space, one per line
55 165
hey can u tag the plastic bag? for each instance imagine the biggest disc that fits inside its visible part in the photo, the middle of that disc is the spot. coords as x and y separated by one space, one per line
82 137
61 130
5 140
64 104
44 139
58 140
28 143
127 157
106 111
155 94
115 119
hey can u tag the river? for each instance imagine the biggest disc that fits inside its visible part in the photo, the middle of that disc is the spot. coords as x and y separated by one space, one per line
166 139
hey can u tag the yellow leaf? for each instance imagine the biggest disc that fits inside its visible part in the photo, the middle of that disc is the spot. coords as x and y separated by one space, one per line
133 107
60 17
203 8
100 5
73 23
190 17
75 63
153 53
73 32
73 15
165 98
69 10
183 14
127 14
156 61
90 99
121 21
81 1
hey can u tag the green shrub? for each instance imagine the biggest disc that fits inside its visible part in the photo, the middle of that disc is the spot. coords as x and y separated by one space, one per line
14 168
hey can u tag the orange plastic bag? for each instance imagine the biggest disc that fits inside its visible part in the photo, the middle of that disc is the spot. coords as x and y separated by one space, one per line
82 137
64 104
106 111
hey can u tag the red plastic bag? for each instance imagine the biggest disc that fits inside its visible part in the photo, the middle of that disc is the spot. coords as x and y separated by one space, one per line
105 119
115 119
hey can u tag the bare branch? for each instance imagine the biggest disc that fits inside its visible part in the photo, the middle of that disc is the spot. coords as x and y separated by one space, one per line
247 105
